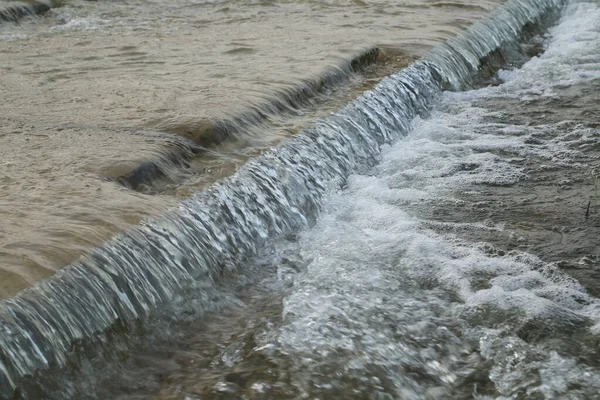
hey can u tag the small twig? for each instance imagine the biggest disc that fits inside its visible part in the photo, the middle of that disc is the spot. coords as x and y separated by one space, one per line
587 212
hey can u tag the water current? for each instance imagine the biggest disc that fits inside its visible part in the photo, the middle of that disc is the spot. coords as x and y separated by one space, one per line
91 90
416 244
446 271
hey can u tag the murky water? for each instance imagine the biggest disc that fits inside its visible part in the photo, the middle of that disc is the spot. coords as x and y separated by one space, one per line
417 244
92 89
463 266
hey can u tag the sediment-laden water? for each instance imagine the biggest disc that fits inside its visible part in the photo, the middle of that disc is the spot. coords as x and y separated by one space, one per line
92 90
416 244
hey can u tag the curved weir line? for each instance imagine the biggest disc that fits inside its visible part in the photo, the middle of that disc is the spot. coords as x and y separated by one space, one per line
16 13
132 276
282 101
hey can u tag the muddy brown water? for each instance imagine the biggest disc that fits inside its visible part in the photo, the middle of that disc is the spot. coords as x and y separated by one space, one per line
92 89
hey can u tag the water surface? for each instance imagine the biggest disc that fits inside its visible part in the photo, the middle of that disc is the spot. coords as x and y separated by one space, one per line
92 89
464 265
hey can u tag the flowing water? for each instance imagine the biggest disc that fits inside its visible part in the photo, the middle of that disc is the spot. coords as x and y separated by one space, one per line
446 271
92 90
416 244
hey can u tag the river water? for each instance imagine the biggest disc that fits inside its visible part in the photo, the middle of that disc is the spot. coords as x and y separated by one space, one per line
462 266
417 244
94 88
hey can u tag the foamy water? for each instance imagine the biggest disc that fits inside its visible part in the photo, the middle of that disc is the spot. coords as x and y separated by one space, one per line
388 303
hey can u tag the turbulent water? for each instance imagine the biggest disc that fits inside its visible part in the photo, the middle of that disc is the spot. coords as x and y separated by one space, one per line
92 89
429 276
419 243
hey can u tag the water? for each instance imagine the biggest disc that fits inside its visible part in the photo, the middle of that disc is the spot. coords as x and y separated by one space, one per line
437 274
91 90
354 262
17 11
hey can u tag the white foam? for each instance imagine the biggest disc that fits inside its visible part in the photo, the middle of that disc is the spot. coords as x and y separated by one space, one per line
384 294
84 24
571 57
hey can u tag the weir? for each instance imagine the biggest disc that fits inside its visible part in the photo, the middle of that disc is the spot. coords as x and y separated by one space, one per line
17 13
127 280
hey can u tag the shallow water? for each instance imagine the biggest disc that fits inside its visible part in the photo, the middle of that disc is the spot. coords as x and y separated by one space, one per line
93 88
416 244
464 265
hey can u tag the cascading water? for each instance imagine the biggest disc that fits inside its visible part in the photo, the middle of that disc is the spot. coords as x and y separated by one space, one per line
16 13
128 279
422 280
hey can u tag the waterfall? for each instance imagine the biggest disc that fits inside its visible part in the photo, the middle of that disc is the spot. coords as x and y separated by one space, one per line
139 272
16 13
